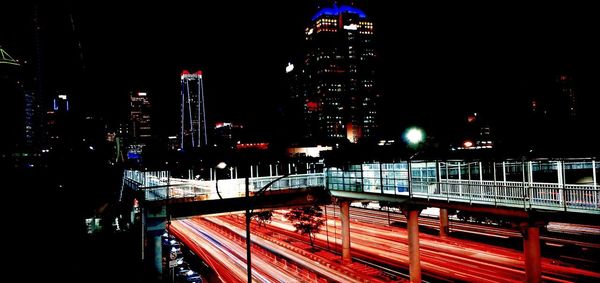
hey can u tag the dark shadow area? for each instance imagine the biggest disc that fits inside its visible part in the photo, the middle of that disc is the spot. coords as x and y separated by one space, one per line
47 232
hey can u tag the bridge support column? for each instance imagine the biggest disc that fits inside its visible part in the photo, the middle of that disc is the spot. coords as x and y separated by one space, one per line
531 251
154 247
412 216
155 228
345 211
444 228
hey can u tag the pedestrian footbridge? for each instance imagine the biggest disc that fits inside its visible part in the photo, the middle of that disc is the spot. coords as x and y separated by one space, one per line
545 185
530 193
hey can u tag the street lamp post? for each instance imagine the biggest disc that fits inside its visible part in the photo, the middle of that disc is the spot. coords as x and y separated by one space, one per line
168 224
248 242
221 166
249 211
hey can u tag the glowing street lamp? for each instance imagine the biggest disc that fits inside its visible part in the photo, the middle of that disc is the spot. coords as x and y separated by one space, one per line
221 166
414 136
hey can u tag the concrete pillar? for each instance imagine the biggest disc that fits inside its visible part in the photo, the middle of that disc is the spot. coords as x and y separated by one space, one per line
444 228
155 253
413 245
531 249
345 211
155 224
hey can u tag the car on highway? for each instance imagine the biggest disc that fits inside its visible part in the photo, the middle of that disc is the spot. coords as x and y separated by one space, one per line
188 277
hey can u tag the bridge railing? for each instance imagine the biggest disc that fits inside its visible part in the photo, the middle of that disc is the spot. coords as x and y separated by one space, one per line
289 182
509 183
582 197
576 198
146 178
159 186
173 190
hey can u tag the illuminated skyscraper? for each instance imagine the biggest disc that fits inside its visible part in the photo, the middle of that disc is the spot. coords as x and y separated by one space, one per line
192 132
139 117
339 75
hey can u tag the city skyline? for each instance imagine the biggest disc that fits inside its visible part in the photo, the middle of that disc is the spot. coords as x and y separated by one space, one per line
477 62
488 112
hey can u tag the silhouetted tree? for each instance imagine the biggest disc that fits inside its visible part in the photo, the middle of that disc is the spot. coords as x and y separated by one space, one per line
263 217
307 220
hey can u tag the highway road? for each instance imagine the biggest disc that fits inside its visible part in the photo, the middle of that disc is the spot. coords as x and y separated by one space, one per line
453 259
372 240
222 246
376 216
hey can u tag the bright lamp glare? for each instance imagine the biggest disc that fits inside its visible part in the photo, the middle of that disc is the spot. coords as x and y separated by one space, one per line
289 67
414 135
221 165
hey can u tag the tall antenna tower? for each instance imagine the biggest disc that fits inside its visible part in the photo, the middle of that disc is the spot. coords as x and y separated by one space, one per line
193 132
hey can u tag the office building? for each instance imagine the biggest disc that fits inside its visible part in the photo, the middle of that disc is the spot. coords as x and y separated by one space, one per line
337 84
192 133
140 128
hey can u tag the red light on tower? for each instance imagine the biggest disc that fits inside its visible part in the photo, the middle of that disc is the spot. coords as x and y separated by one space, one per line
471 118
185 72
199 73
312 106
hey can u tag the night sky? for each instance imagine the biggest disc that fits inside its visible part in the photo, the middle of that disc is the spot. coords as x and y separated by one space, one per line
435 61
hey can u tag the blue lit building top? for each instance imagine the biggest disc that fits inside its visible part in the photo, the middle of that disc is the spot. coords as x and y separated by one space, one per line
335 11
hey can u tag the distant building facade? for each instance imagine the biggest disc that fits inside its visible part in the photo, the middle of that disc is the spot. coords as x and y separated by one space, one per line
57 119
336 82
475 134
567 98
192 133
140 117
559 103
228 134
